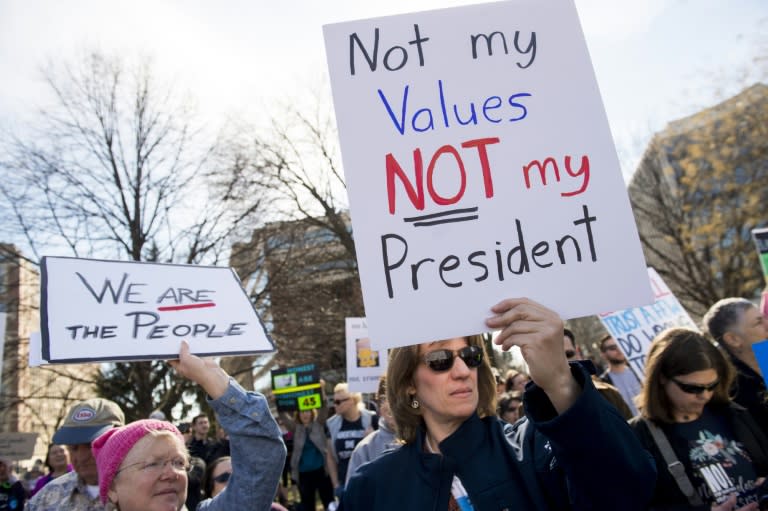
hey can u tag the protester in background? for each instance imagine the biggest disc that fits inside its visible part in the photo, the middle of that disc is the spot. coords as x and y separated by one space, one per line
380 441
195 475
516 380
57 461
144 464
79 490
608 391
217 479
501 385
736 324
618 373
217 476
200 445
283 489
12 493
345 430
32 476
457 452
688 421
510 406
186 431
158 415
309 460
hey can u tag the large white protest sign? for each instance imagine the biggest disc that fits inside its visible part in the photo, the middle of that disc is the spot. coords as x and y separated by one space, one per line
365 363
634 328
480 166
108 310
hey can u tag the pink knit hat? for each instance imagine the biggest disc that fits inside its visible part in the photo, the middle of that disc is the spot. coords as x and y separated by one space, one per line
112 446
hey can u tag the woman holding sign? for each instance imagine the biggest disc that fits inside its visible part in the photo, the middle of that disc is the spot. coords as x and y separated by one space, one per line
718 455
459 455
143 465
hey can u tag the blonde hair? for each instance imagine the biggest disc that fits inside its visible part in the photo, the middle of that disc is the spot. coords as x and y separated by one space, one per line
344 387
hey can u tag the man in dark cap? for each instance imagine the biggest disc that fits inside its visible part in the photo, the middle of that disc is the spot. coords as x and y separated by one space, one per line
79 489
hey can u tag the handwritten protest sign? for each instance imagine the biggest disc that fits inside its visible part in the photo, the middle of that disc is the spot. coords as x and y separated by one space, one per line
297 388
479 166
108 310
17 446
365 363
760 236
635 328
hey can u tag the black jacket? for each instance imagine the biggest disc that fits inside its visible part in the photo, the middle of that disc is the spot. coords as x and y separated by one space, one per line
668 496
750 392
584 459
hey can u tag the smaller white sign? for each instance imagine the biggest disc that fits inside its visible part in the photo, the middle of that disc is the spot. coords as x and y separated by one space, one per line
365 363
635 328
95 310
17 446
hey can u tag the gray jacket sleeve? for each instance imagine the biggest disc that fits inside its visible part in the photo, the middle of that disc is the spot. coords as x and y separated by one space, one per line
257 450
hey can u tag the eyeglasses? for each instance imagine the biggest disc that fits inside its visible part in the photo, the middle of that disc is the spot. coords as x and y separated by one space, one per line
337 402
610 347
155 468
692 388
223 477
442 360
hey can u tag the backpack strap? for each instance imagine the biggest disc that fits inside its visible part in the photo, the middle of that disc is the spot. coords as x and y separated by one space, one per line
675 467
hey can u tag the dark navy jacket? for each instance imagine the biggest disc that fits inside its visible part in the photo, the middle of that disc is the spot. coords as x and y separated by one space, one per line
585 459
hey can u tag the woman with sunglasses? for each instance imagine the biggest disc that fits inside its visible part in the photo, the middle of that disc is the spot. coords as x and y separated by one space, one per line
143 465
216 476
687 421
458 454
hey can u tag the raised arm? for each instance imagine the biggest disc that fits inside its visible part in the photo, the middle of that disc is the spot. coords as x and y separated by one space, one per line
538 332
256 444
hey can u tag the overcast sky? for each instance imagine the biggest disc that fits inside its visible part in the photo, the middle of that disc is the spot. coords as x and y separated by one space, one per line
655 60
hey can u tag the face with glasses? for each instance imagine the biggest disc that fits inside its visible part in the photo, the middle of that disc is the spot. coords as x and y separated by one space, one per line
153 475
688 393
220 476
445 383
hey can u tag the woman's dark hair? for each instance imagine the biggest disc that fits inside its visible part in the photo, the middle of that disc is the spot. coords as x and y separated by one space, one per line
208 478
505 400
676 352
402 365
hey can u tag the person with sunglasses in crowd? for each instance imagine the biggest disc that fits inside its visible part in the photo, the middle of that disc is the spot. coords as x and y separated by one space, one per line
458 454
510 406
710 453
143 465
346 429
216 476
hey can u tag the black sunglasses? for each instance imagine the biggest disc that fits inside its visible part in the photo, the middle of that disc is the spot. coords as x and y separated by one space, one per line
691 388
442 360
223 477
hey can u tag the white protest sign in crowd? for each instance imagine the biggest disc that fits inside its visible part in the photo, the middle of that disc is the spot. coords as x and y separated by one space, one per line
365 363
109 310
635 328
480 166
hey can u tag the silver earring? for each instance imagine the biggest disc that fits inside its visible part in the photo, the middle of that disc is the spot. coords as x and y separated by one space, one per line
415 403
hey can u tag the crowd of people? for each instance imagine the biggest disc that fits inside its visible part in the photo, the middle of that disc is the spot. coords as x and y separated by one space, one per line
449 432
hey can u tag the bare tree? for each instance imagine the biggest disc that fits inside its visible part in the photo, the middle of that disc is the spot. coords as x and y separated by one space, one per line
698 193
119 167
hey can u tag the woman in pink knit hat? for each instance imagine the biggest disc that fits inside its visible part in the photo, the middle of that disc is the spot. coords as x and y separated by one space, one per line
143 465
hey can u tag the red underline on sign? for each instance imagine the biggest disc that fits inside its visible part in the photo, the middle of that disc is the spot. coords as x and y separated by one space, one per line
185 307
